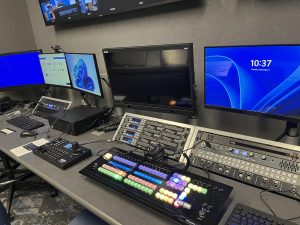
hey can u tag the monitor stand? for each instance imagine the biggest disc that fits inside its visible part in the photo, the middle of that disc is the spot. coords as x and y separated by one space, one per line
290 134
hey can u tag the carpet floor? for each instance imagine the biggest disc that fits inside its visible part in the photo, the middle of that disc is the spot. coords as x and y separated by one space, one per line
39 208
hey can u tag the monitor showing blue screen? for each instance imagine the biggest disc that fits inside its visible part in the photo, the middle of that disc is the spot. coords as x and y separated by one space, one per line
84 73
20 69
260 79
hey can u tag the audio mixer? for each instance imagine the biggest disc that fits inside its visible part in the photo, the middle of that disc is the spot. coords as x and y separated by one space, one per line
254 161
179 195
143 131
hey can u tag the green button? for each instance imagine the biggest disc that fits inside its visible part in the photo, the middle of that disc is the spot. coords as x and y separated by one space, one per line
204 191
150 192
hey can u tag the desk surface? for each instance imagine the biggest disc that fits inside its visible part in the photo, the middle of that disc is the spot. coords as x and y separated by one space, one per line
111 206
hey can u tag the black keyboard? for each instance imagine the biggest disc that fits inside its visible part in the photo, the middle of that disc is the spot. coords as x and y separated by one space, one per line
25 123
62 153
244 215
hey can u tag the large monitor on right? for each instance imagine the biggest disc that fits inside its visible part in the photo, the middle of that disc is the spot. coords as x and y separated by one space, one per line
259 80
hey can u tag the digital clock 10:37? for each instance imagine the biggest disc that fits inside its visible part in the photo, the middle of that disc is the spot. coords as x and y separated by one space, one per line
262 63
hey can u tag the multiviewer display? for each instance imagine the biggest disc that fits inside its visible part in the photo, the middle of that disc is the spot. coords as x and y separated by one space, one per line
84 73
20 69
55 69
67 10
260 79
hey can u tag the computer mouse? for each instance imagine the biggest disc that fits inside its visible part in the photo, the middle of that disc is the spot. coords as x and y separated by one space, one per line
28 133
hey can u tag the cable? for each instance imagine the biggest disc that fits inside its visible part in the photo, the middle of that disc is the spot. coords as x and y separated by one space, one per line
93 142
111 92
270 208
55 121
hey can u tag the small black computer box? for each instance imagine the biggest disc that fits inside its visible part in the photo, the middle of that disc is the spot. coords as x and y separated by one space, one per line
78 120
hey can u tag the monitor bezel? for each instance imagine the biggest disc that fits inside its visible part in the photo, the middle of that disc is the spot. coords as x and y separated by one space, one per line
97 71
240 111
74 19
192 111
40 51
55 85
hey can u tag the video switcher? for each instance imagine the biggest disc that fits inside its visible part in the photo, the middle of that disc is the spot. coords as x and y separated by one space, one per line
258 162
142 131
179 195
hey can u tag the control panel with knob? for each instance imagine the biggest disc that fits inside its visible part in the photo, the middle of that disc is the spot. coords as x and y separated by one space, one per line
258 162
184 197
62 153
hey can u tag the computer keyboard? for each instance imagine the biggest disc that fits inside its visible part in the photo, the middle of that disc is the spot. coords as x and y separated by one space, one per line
244 215
25 123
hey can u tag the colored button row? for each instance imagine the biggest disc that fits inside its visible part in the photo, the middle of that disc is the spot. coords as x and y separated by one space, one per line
114 164
182 204
185 178
164 198
114 170
142 182
179 181
110 174
107 156
168 193
124 161
175 186
147 177
198 189
138 186
152 171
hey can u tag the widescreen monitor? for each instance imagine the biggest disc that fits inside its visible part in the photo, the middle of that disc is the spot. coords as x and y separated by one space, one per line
84 73
20 69
55 70
61 11
260 80
155 78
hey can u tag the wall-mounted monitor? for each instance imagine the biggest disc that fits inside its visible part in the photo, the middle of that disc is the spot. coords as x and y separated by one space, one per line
20 69
55 70
156 78
62 11
259 80
84 73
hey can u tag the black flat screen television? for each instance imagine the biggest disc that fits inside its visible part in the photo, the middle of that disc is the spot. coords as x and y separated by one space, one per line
156 78
64 11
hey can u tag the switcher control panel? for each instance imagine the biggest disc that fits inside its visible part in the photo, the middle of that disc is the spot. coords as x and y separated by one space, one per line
258 162
142 131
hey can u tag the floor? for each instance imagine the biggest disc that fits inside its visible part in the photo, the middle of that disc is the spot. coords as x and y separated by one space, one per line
39 208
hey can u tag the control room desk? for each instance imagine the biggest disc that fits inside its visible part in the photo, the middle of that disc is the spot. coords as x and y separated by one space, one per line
111 206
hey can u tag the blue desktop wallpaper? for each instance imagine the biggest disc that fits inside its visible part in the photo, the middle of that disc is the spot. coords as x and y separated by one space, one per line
83 73
264 79
20 69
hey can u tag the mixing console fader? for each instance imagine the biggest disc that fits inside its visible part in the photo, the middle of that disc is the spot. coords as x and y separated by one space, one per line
142 131
258 162
179 195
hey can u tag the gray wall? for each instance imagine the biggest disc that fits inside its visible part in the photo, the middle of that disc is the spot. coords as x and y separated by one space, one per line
15 27
203 22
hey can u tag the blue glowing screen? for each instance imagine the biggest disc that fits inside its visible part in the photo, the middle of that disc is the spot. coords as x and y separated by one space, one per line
83 72
20 69
262 79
